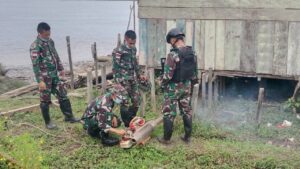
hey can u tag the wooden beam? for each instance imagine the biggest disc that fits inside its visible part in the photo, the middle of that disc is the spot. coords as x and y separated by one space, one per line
294 4
220 14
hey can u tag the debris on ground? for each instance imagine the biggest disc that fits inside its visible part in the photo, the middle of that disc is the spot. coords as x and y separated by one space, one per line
269 124
284 124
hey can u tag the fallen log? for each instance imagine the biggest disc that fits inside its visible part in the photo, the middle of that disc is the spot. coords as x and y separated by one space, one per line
25 109
20 91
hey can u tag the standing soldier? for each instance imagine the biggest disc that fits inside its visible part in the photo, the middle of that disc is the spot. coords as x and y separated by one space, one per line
179 72
99 121
126 72
49 73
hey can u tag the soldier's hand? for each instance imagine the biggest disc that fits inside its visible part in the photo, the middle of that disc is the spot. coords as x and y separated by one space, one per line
42 86
122 132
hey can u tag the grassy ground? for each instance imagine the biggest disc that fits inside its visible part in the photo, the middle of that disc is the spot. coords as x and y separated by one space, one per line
229 141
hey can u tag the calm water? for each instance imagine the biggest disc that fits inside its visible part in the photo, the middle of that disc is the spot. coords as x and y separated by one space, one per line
84 21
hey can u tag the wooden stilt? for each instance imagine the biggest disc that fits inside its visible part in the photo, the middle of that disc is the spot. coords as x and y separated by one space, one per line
216 89
195 96
259 105
153 97
203 84
210 89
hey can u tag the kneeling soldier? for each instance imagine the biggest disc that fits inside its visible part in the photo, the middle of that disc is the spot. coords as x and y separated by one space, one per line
99 121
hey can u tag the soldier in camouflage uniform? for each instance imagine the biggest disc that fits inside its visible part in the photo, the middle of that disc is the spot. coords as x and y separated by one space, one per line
98 118
126 72
179 72
49 72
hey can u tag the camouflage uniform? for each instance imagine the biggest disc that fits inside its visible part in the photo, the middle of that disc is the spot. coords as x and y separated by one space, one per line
126 72
46 66
175 93
98 114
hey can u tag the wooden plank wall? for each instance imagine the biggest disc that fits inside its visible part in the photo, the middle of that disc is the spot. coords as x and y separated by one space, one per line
231 37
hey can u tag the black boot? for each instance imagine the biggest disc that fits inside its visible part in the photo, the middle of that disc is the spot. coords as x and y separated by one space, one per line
45 112
132 112
65 107
125 115
108 140
187 122
168 130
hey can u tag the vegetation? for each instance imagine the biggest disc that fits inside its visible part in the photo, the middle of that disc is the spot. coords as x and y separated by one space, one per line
25 142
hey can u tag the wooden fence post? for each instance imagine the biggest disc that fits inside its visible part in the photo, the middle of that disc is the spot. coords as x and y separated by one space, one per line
103 77
70 62
94 53
89 85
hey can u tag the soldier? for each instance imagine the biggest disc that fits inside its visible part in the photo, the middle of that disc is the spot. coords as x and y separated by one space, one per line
179 72
49 73
98 118
126 72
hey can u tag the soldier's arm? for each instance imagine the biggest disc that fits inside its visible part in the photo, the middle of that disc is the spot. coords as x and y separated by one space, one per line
35 58
119 132
116 57
136 67
60 66
169 68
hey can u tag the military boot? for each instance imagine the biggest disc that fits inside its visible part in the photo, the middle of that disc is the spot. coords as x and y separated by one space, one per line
65 107
187 122
108 140
168 130
45 112
132 112
125 115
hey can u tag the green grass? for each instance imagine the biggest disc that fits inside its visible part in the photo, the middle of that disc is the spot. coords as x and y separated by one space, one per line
213 144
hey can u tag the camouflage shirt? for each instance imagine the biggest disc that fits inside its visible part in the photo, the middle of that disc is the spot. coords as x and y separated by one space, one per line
99 112
170 66
125 65
45 59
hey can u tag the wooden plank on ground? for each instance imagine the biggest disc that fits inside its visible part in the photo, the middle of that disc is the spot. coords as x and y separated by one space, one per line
220 42
233 33
223 3
199 42
280 48
210 44
143 42
220 14
265 47
20 91
248 51
293 60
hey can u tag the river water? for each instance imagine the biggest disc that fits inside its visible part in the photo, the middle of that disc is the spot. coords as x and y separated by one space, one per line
84 21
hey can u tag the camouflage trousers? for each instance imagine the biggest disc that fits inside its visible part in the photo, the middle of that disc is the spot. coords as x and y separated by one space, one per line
177 94
134 95
53 86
